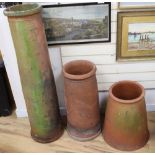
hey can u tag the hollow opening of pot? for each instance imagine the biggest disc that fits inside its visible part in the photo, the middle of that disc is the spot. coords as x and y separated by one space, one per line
127 91
25 7
78 67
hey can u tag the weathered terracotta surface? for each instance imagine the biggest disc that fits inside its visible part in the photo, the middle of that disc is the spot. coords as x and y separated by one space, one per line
81 96
35 71
125 125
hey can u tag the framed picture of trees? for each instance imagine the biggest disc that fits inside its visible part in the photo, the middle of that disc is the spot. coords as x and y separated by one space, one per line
77 23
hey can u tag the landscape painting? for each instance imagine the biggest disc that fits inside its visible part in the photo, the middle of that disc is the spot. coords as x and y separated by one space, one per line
77 23
141 36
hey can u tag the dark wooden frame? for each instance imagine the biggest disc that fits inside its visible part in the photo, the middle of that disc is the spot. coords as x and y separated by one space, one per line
83 4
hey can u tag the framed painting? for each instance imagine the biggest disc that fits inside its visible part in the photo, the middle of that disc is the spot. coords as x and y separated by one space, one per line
77 23
135 5
136 35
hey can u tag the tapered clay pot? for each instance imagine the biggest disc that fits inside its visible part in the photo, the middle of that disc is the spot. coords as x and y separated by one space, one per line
125 125
81 96
35 71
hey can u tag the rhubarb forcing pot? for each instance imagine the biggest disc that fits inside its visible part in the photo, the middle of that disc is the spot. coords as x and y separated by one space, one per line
125 125
81 96
35 71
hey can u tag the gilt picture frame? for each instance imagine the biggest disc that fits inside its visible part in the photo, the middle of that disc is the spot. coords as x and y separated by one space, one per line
136 35
77 23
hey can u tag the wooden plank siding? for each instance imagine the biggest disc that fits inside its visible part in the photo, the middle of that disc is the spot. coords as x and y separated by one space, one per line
104 56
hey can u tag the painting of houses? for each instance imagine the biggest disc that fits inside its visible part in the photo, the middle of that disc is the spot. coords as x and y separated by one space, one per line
77 23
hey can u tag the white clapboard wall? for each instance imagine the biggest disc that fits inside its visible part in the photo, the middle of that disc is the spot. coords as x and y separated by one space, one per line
108 69
104 56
